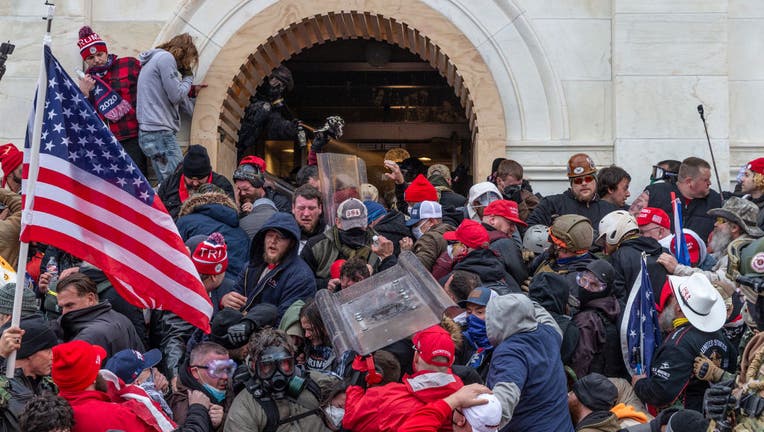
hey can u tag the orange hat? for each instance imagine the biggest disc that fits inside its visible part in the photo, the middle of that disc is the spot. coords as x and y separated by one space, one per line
580 164
10 159
420 190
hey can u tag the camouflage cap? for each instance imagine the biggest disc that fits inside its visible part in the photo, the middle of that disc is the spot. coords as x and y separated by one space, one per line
742 212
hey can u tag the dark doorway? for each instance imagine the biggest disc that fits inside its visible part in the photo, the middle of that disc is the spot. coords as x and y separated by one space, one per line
389 98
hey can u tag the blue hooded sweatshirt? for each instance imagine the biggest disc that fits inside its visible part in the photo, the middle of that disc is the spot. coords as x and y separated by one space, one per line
289 281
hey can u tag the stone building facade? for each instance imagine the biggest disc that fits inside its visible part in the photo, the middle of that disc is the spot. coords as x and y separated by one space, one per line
538 79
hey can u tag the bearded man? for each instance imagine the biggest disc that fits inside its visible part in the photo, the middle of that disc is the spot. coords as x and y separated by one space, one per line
275 274
735 222
307 211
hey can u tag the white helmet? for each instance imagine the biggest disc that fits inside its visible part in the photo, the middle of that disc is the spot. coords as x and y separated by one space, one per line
614 226
536 239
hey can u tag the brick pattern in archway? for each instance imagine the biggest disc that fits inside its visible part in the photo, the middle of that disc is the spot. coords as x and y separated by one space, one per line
320 29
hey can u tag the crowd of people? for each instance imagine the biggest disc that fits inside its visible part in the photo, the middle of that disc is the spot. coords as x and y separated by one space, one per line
537 337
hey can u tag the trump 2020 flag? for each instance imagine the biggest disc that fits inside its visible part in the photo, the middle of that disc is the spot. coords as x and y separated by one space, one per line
640 332
682 252
90 200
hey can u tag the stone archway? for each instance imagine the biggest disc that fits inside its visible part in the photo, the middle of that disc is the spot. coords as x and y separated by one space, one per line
284 28
319 29
518 101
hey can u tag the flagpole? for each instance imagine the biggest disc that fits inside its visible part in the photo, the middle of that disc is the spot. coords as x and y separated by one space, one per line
641 320
34 165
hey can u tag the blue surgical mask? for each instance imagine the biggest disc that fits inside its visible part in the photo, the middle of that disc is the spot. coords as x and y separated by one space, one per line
218 395
417 232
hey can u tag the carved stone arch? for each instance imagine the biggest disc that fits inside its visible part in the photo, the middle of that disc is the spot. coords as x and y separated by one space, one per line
329 27
504 78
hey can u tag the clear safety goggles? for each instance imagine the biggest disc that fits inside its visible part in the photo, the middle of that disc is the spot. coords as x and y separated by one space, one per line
219 368
588 281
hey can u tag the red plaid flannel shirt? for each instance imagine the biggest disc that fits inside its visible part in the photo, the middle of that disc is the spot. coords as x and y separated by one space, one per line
123 79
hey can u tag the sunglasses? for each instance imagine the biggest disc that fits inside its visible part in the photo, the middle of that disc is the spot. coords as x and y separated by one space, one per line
219 368
721 221
582 180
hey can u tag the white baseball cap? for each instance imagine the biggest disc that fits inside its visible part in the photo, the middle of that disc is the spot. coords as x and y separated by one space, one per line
484 418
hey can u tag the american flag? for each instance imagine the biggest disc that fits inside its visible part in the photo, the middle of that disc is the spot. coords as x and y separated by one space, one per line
640 332
93 202
682 252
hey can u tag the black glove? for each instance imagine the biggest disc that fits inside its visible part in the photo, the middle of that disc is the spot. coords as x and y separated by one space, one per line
238 334
718 400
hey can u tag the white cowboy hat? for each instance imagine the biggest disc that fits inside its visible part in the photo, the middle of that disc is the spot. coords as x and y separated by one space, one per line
699 301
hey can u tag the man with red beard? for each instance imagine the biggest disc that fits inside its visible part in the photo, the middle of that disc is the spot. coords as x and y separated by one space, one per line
275 274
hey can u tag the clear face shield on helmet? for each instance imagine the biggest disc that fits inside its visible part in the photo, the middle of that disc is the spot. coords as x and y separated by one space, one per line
482 202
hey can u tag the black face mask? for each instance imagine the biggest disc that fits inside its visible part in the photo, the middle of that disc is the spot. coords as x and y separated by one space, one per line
511 191
354 237
756 311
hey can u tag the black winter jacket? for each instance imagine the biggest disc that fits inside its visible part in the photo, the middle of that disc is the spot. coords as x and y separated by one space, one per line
487 265
565 203
509 252
627 262
551 291
599 346
393 227
694 214
100 325
672 378
169 194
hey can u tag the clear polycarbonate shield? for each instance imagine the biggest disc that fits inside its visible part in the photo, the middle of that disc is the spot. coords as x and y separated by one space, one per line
341 176
389 306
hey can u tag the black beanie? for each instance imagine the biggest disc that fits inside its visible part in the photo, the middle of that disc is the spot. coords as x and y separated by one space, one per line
687 421
38 336
596 392
196 163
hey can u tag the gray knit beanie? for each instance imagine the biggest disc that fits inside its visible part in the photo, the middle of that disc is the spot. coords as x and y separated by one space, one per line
28 303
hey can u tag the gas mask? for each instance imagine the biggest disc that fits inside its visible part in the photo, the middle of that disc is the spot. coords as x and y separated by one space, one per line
276 372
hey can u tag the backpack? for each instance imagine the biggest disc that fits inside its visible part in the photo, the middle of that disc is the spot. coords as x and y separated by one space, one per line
271 410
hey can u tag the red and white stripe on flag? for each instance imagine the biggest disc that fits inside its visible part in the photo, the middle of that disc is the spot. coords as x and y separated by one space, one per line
136 245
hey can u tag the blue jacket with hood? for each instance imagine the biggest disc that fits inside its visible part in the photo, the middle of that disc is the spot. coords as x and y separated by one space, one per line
290 281
215 212
526 373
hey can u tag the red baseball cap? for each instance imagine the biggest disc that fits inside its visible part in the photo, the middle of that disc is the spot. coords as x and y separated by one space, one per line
470 233
756 165
654 215
506 209
435 342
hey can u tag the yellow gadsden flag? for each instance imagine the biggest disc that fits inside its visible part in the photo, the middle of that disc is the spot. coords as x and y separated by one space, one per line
7 273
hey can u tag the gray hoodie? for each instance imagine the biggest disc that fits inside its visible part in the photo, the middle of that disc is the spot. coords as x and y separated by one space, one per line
161 91
506 316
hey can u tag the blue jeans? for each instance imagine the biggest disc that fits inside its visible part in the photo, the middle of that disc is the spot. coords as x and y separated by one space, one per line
162 150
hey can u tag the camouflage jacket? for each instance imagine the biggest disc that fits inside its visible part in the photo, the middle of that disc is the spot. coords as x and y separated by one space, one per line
16 392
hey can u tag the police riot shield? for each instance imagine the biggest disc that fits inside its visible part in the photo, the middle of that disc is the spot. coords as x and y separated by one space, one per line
387 307
341 176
